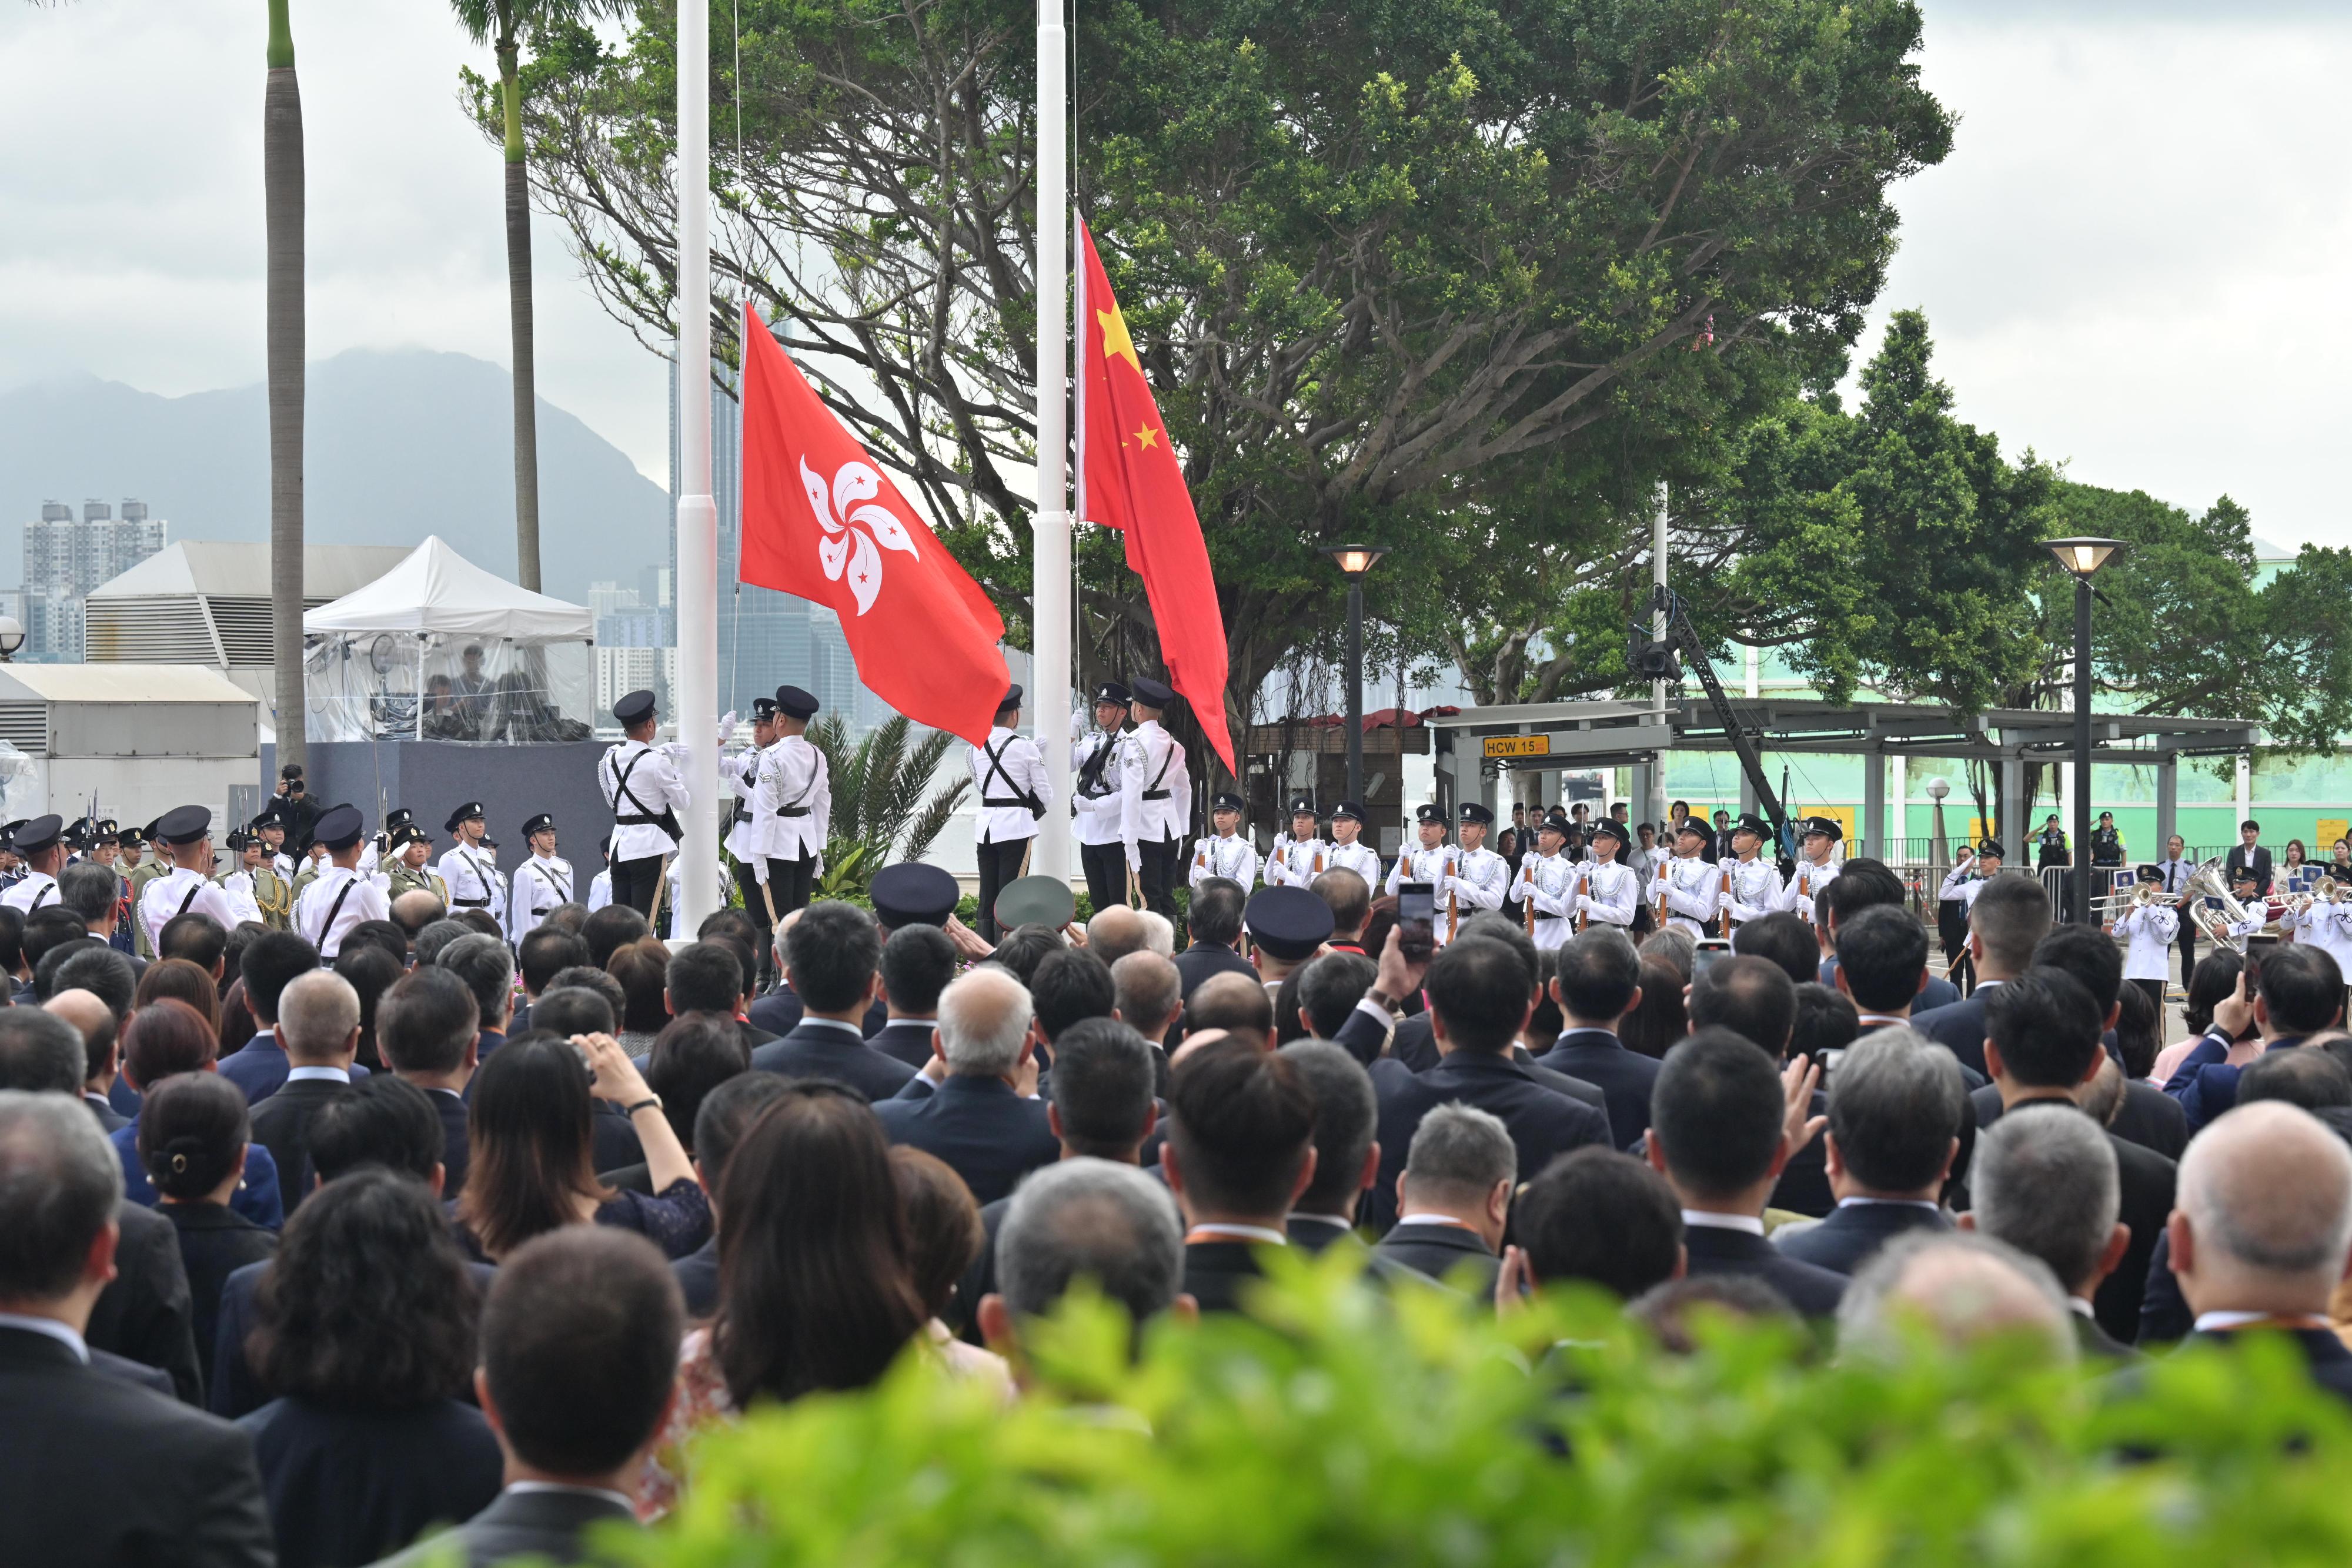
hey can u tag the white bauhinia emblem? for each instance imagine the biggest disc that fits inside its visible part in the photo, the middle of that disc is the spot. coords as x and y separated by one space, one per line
854 525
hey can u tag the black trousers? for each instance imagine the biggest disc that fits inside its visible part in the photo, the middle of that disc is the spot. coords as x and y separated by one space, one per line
788 882
2188 942
1000 863
1105 867
634 882
2155 989
1157 876
755 905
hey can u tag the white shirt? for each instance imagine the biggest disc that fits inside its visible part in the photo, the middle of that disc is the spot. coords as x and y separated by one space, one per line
39 888
1806 885
318 901
1002 771
599 891
318 1074
1751 1223
1694 893
1101 813
1756 890
1434 867
1155 789
1548 882
1296 862
180 892
1359 857
1482 879
471 874
541 883
1610 894
652 786
239 886
743 775
795 800
1234 857
2151 929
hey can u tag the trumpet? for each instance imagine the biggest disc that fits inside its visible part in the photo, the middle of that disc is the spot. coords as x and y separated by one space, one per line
2324 891
2148 893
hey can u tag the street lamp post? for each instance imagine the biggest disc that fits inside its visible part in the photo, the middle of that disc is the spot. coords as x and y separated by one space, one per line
1354 561
2082 557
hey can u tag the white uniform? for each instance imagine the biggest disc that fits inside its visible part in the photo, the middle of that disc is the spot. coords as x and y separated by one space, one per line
180 892
1101 810
796 795
1359 857
1548 882
599 891
1806 885
1611 894
1963 884
2328 927
239 885
337 901
1756 890
541 883
1296 862
1155 790
743 775
39 889
1234 857
2151 929
1005 773
1694 893
639 782
1434 867
471 874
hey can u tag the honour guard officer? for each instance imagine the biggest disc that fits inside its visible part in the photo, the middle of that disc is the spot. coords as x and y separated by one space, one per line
1692 882
1347 849
40 845
1096 801
1155 796
796 791
405 871
1299 854
471 866
743 827
272 895
76 839
1228 854
105 843
1611 891
186 835
1965 881
643 788
541 882
1817 837
1548 884
314 861
1433 862
137 841
1751 884
600 886
2150 927
341 897
1481 877
270 823
239 883
1008 777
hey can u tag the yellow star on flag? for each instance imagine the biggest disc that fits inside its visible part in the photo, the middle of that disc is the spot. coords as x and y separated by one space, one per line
1147 436
1116 342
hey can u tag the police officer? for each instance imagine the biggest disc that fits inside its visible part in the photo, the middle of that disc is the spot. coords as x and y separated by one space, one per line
642 787
1755 889
743 830
1547 884
1817 837
1611 891
470 868
1432 862
1155 796
1227 854
2106 843
1481 877
1694 881
1347 849
1096 802
1299 854
340 897
405 870
270 823
1008 776
238 883
40 844
185 834
796 793
541 882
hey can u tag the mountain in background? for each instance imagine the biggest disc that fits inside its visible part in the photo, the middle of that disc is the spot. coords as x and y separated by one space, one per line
398 446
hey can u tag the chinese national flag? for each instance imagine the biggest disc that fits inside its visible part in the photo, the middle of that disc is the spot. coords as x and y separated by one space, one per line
822 522
1134 484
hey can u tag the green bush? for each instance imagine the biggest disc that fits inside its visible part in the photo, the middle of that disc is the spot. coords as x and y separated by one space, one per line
1348 1429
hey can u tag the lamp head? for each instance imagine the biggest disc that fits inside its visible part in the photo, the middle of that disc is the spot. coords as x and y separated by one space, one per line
1354 560
2084 555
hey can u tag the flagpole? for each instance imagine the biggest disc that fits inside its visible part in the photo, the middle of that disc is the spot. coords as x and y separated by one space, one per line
1050 567
697 514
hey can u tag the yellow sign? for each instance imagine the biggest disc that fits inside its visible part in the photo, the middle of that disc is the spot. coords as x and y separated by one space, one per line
2330 830
1843 817
1519 746
1979 831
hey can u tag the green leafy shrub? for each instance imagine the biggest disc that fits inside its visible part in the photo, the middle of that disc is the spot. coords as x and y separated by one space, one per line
1350 1430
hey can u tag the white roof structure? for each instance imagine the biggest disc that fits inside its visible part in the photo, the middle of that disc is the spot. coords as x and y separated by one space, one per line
435 592
207 602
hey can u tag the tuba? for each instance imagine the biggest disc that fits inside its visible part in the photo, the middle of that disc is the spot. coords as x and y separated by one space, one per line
2205 882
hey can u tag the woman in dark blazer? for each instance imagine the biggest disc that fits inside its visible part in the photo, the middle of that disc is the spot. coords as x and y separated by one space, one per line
192 1135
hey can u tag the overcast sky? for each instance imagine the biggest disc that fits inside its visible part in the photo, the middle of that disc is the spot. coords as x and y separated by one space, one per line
2133 261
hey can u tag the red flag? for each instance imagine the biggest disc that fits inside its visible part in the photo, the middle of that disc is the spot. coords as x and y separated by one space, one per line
822 522
1134 483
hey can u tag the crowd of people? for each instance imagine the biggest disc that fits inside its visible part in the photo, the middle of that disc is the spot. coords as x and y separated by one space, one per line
306 1255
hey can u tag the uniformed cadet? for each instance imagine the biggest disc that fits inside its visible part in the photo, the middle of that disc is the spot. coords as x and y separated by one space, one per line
1548 884
743 829
1818 837
136 842
600 886
1096 804
270 823
541 882
1227 854
105 843
1299 854
796 793
237 882
472 867
1608 892
1155 796
40 844
314 862
405 871
1963 882
1008 777
184 834
75 836
1755 889
1694 883
1481 877
2150 928
1432 862
341 897
1347 850
642 786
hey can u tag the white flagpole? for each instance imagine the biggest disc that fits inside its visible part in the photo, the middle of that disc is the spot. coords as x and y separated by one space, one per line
697 515
1050 576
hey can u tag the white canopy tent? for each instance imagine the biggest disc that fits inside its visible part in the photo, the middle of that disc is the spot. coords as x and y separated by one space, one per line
439 649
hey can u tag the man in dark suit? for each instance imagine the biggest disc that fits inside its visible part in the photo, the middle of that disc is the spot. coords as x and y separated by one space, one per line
94 1468
1866 884
1721 1128
918 963
1216 926
1480 992
1347 1157
2044 1182
2009 916
2043 1045
982 1119
2248 854
1896 1108
831 956
90 1014
319 1020
1598 981
270 962
1452 1200
711 977
1240 1150
2302 993
2271 1180
1753 998
583 1296
426 1026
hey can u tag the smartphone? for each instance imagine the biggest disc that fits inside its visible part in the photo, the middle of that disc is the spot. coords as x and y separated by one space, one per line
1417 920
1710 948
2254 969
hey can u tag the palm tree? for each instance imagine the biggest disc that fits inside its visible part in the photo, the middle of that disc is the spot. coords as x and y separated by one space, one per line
499 24
878 798
281 183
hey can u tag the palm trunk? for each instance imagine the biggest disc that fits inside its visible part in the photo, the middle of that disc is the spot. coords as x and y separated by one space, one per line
281 164
526 373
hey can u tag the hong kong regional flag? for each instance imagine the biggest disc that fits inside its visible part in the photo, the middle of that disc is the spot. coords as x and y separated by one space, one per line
1134 483
821 522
